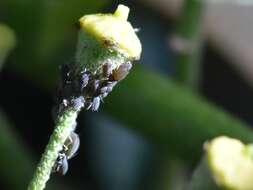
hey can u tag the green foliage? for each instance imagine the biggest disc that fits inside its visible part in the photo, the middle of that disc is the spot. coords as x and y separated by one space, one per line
171 116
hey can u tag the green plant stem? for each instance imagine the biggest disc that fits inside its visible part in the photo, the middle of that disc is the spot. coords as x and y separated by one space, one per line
62 130
171 116
189 29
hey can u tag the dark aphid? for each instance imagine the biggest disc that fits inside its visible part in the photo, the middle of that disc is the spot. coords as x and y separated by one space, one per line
61 164
122 71
68 151
107 69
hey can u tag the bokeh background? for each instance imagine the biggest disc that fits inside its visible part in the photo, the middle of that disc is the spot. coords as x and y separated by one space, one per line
193 82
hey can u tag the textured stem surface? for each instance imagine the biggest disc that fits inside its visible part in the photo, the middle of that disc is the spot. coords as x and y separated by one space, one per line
59 136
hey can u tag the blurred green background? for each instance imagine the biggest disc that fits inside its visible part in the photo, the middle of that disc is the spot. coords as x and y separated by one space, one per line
150 131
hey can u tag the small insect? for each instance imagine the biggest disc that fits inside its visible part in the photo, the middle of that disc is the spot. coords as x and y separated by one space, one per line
107 69
94 86
84 80
122 71
95 103
77 103
68 151
61 164
107 86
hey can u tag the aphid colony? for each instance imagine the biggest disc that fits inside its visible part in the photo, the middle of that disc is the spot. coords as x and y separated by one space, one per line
83 89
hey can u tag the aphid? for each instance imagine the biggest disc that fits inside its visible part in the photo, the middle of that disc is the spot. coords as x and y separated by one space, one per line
107 69
122 71
61 165
58 109
71 145
84 80
77 103
95 103
68 151
107 86
104 95
94 86
110 85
